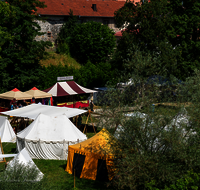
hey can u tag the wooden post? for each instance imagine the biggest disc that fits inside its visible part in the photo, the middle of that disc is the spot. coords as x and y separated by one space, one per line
92 122
74 179
76 120
4 160
86 122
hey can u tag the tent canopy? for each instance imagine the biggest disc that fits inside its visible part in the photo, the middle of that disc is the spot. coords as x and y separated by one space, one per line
6 131
33 110
93 158
46 128
48 137
15 94
100 144
67 88
34 92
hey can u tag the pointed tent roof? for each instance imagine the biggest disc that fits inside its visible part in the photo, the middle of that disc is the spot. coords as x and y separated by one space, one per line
6 131
24 158
15 94
67 88
36 93
54 129
101 143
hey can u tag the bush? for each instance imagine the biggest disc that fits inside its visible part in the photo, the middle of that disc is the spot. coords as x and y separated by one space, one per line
20 176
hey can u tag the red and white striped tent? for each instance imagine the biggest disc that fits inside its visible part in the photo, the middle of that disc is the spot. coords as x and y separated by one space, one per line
67 88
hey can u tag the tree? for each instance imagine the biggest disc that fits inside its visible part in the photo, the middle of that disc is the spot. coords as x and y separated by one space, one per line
64 35
5 11
160 144
20 55
168 28
92 41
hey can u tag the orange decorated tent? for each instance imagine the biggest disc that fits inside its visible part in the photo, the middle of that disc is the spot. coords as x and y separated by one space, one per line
93 158
36 93
15 94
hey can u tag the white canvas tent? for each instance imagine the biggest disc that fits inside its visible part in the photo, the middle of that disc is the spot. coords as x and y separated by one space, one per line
48 137
33 110
6 131
23 158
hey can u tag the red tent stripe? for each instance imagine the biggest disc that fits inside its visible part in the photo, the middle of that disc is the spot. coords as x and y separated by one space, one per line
75 87
61 91
47 90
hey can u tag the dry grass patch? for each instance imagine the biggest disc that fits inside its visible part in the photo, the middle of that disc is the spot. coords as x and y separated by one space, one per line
55 59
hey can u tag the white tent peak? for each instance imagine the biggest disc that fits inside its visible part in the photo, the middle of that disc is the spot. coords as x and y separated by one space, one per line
49 137
53 129
6 131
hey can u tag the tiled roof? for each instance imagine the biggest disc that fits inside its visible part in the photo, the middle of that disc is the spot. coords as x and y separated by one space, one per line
119 33
81 7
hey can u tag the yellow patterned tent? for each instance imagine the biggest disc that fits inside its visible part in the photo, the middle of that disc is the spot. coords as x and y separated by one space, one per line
93 158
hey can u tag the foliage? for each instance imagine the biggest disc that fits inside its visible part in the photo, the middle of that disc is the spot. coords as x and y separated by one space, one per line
5 11
189 181
20 176
92 41
167 28
89 75
160 146
65 33
20 54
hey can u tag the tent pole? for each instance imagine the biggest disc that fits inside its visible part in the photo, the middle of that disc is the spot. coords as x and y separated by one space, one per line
4 160
74 179
76 120
92 122
17 123
86 122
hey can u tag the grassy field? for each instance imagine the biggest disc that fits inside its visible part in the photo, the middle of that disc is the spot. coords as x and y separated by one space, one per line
55 175
53 58
54 170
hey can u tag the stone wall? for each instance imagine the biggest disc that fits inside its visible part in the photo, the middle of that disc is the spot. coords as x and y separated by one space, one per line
52 25
50 28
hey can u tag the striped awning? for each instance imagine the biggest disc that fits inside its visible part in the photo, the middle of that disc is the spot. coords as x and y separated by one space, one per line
67 88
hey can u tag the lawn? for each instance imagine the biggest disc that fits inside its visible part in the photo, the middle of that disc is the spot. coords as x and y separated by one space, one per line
55 175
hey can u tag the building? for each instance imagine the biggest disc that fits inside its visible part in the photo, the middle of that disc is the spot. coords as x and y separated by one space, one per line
57 11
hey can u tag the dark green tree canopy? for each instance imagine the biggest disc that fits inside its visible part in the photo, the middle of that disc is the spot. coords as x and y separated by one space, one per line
20 55
92 41
169 28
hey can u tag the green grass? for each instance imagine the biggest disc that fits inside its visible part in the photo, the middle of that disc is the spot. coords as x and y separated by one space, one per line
56 177
162 110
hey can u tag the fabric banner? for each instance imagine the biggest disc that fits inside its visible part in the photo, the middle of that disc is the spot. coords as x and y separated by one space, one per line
77 104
